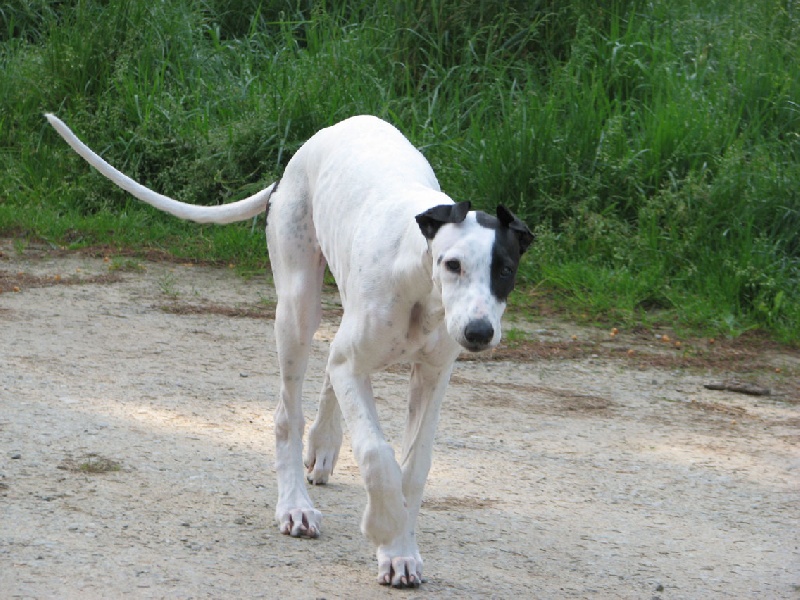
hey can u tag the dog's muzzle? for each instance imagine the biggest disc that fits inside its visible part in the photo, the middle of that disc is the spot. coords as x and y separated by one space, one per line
478 335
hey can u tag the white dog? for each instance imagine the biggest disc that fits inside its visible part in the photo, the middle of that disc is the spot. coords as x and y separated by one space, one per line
420 278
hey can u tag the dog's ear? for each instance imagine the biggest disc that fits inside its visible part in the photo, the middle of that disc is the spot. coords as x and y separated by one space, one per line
432 219
510 220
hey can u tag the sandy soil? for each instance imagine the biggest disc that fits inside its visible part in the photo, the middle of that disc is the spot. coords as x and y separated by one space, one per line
136 454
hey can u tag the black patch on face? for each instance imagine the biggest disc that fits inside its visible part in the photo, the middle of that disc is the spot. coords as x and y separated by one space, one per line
432 219
487 220
506 252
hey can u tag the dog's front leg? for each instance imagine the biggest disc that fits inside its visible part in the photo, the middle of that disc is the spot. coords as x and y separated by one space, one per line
385 520
427 387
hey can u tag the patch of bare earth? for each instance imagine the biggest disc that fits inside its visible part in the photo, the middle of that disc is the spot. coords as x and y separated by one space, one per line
136 452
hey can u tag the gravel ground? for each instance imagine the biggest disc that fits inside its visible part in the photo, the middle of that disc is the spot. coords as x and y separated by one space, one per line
136 456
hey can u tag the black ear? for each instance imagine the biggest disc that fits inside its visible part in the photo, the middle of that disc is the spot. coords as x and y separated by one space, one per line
509 219
432 219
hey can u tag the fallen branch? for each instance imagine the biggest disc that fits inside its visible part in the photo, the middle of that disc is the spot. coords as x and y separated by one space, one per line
739 388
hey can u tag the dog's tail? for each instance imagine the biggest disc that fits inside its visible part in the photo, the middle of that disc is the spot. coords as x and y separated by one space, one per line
225 213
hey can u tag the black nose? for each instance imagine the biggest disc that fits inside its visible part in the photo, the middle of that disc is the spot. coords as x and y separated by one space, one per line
479 332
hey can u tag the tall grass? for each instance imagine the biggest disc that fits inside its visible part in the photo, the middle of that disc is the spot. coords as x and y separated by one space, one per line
654 146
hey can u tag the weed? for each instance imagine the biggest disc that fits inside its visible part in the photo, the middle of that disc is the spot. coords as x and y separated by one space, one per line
20 245
266 301
514 336
126 265
97 464
92 464
167 285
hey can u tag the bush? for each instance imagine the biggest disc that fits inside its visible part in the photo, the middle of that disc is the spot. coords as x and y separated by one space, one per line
654 146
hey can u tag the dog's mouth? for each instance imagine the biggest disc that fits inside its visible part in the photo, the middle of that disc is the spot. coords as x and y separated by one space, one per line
475 348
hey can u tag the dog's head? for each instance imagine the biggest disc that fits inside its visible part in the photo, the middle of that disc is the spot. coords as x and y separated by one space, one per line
475 260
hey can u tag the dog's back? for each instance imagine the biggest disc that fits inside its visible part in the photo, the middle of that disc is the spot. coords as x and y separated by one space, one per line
361 183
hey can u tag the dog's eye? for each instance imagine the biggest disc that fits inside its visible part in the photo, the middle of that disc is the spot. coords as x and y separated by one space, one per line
453 265
506 271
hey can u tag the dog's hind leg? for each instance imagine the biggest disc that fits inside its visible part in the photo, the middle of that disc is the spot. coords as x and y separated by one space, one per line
324 436
298 268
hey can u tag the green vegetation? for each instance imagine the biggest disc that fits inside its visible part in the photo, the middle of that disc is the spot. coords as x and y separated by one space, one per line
654 146
91 464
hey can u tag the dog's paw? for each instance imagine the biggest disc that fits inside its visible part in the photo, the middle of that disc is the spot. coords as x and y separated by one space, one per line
321 456
300 522
399 571
319 467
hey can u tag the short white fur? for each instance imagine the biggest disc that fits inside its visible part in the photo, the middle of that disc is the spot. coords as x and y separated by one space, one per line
348 199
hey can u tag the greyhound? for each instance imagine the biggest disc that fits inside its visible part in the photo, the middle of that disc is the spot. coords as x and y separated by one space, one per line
420 278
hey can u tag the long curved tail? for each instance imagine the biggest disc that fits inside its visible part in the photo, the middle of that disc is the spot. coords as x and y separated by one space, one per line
224 213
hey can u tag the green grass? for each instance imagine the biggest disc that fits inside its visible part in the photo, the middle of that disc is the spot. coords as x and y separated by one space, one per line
654 147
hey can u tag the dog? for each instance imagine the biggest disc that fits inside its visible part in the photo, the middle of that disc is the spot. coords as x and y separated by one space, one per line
420 278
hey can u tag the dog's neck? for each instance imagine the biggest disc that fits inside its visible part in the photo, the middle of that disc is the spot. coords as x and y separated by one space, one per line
431 314
412 274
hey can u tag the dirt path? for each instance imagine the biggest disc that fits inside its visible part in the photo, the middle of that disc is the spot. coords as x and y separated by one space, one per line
136 457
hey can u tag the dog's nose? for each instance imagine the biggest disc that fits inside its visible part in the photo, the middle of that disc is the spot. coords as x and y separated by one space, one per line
479 333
